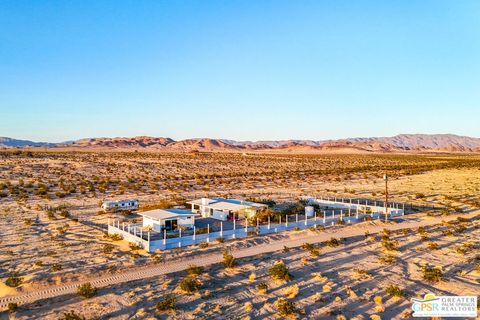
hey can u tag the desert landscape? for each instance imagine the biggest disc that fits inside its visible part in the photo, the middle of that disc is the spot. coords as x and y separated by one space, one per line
239 160
53 233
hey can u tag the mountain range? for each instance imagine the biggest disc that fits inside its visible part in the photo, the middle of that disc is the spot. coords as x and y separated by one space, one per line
398 143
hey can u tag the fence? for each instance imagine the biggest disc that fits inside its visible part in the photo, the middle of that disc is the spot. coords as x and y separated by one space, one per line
150 240
357 204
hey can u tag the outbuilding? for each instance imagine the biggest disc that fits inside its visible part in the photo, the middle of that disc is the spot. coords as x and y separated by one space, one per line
224 209
168 219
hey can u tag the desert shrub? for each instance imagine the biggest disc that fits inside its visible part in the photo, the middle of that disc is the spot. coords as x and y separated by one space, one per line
14 281
389 245
314 253
308 246
189 285
228 260
220 239
107 248
56 267
12 307
262 287
285 308
395 291
203 245
72 316
433 246
291 291
167 302
134 246
86 290
387 259
194 270
361 273
432 274
285 249
115 237
280 272
332 242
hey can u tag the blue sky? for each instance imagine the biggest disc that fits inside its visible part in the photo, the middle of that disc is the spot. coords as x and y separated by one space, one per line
245 70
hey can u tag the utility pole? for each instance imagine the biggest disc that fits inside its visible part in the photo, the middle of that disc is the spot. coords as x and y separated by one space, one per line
385 177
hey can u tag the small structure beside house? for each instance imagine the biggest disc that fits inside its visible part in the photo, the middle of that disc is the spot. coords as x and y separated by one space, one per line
224 209
167 219
120 205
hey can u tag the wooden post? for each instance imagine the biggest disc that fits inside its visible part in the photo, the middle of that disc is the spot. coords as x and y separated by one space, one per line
324 217
148 236
194 233
221 228
165 236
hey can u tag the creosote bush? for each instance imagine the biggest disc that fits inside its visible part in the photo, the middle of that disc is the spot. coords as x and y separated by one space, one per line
71 315
395 291
86 290
432 274
228 260
262 287
285 308
194 270
167 302
332 242
14 281
12 307
189 285
280 272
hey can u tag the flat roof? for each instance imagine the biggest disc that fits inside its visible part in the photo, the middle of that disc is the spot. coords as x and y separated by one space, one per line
163 214
228 204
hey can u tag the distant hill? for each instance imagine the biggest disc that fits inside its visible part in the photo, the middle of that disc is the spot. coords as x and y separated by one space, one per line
15 143
399 143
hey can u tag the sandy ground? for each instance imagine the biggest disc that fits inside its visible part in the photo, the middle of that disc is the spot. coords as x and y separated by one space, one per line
343 280
45 250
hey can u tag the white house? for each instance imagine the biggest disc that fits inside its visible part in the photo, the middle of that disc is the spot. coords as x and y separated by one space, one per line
120 205
169 219
223 209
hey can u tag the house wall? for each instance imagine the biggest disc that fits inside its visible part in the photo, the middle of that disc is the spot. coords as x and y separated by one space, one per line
154 224
187 222
220 215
